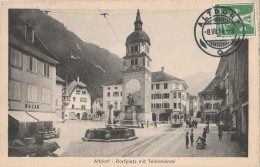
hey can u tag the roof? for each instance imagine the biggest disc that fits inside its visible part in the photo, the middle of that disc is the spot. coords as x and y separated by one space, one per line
17 29
59 79
138 36
100 101
115 82
156 77
211 87
74 84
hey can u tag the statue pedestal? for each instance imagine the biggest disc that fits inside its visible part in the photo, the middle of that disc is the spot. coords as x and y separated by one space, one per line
130 118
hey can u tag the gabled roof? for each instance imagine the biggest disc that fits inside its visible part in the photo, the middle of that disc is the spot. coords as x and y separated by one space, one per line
74 84
17 29
211 87
115 82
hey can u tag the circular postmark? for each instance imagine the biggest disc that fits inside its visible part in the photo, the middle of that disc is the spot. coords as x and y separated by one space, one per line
216 31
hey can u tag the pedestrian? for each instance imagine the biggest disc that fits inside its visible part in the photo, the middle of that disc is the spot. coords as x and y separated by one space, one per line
204 134
142 125
191 137
190 119
220 135
187 123
147 124
155 124
196 124
187 139
193 123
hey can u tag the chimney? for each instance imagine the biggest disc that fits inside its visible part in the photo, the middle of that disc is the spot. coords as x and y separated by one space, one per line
162 68
78 79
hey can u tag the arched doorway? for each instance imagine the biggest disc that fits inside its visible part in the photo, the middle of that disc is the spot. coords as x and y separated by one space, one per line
71 115
153 116
163 118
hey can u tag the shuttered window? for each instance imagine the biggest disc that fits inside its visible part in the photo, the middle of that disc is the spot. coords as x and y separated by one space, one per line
32 93
46 96
46 70
32 64
16 58
14 90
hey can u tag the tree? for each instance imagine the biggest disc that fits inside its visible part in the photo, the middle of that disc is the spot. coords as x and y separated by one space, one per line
116 113
100 113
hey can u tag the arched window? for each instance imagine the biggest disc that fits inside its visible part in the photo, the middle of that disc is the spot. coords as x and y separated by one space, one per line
157 95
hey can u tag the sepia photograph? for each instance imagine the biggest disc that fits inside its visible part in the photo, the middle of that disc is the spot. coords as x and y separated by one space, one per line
154 83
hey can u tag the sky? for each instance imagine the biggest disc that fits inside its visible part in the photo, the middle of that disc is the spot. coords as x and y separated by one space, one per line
171 34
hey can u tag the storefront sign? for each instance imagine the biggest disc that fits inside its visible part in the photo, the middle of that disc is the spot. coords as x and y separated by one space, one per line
32 106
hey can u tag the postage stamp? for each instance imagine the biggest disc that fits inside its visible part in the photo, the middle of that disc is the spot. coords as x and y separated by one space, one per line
101 84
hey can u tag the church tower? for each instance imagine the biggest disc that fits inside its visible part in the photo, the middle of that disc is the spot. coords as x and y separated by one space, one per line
137 76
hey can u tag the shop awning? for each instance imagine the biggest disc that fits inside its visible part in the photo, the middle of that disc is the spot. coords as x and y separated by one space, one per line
41 116
21 116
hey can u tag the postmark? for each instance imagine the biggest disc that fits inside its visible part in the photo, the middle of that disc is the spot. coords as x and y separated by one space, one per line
212 27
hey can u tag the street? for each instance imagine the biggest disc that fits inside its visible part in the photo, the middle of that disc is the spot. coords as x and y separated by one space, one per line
163 141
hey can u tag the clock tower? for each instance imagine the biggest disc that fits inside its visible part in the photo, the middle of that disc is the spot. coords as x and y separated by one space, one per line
137 76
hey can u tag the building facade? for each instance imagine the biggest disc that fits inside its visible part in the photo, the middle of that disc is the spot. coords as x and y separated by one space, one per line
154 94
31 81
97 105
210 102
77 101
233 73
168 94
60 84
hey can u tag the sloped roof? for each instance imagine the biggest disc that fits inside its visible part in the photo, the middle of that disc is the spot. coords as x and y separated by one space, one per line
17 29
59 79
211 87
138 36
74 84
163 76
115 82
156 77
100 101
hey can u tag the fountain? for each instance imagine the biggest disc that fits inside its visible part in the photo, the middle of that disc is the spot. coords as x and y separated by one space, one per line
110 133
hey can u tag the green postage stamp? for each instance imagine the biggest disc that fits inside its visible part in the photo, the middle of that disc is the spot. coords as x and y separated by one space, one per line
246 11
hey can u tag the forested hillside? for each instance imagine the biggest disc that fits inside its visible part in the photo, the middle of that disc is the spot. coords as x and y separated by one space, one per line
94 65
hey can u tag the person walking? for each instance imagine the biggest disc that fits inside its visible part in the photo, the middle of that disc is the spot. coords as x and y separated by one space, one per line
155 124
142 125
196 124
220 134
147 124
187 139
191 137
204 134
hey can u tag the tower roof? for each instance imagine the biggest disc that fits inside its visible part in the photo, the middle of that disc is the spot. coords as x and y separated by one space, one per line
138 22
138 35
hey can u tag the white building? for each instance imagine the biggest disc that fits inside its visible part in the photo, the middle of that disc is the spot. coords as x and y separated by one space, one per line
97 106
77 101
167 93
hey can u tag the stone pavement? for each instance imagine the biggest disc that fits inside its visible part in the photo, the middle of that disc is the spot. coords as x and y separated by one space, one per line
214 147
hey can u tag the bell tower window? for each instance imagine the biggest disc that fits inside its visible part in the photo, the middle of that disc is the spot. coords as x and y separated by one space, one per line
134 48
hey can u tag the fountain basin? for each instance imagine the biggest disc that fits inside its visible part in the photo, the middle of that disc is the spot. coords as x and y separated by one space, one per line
109 134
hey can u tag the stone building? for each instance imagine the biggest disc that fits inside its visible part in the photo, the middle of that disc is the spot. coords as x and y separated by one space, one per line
154 93
97 105
31 81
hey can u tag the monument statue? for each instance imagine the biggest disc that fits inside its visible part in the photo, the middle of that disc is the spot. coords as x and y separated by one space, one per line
130 99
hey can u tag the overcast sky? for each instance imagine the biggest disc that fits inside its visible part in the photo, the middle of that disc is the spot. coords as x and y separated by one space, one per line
170 31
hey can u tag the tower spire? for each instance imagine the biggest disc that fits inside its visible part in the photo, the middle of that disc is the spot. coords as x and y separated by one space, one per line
138 22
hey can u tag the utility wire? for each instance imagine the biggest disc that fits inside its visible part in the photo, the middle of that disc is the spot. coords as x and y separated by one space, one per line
110 26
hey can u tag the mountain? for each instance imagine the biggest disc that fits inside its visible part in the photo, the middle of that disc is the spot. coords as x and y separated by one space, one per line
198 82
94 65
